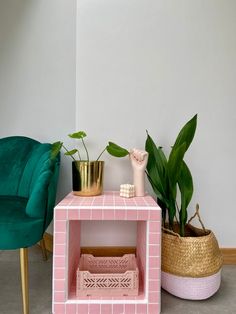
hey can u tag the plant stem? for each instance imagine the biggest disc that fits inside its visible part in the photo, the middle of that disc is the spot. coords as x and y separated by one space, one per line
181 224
170 223
182 231
101 153
68 152
176 219
79 155
177 206
85 149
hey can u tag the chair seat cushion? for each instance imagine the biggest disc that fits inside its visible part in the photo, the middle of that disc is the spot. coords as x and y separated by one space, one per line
17 229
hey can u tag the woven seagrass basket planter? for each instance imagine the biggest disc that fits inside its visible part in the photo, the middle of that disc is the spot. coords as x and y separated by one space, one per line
191 265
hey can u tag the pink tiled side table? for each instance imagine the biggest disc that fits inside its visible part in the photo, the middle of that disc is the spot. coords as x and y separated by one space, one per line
68 215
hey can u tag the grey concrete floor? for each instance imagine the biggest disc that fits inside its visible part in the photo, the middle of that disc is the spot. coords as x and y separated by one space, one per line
40 281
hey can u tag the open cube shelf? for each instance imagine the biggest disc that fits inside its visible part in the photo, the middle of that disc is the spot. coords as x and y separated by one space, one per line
67 234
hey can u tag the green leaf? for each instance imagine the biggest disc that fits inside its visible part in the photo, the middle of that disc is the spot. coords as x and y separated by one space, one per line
158 176
156 165
116 150
173 169
78 135
165 175
156 155
163 158
56 147
185 183
171 211
71 152
154 179
186 134
157 190
174 166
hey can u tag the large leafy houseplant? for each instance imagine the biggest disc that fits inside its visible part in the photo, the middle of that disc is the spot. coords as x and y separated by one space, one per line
170 175
191 265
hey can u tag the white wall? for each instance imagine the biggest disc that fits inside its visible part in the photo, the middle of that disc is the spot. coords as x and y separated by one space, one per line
37 72
153 65
140 65
109 233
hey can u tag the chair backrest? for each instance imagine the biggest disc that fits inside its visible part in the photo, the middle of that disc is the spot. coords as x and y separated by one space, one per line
23 162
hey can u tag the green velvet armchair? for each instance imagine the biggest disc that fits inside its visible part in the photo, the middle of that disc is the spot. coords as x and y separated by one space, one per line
28 182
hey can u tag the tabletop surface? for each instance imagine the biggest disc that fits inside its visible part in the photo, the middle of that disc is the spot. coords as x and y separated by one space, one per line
109 199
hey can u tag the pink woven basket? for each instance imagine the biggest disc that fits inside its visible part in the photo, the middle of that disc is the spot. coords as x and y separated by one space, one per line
191 288
107 276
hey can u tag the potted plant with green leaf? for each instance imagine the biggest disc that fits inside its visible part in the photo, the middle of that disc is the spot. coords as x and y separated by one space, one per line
191 259
87 174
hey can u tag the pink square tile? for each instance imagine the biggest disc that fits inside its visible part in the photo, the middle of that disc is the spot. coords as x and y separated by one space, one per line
119 214
59 309
155 215
154 285
142 214
154 297
60 237
98 200
85 214
130 308
120 203
82 309
59 261
131 214
60 249
59 273
118 309
154 274
153 308
130 201
140 201
73 214
87 202
154 238
154 226
59 285
60 226
141 308
70 308
63 203
154 250
108 214
106 308
59 296
154 262
60 214
94 309
97 214
108 202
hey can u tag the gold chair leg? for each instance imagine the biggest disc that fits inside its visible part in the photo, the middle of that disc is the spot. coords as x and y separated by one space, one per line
43 248
24 279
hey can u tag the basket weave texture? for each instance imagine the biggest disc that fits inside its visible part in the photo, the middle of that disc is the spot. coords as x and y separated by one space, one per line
196 257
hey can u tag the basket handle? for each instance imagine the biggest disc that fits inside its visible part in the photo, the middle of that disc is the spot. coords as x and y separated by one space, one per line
199 218
171 232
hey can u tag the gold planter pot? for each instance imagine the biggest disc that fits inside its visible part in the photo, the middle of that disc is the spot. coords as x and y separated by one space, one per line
87 177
